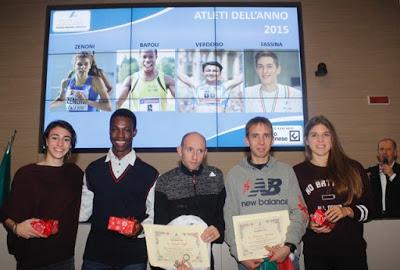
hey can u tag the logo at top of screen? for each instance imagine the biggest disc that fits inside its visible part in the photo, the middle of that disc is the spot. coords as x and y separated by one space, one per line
71 21
261 187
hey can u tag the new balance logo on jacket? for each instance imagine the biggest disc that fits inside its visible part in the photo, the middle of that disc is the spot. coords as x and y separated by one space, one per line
273 187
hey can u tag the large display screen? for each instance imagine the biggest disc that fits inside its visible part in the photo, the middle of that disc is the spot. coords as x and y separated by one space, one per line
179 69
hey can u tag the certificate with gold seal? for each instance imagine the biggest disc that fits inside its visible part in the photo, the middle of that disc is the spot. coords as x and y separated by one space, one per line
169 244
255 231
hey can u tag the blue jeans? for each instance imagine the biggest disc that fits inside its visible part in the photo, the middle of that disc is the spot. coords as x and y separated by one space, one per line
63 265
91 265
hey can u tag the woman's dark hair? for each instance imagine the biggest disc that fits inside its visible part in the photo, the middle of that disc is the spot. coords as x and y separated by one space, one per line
62 124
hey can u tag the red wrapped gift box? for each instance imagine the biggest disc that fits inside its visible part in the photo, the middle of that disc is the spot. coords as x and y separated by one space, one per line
319 218
45 226
121 225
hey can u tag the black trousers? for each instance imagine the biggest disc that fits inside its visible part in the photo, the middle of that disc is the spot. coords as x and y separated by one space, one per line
335 262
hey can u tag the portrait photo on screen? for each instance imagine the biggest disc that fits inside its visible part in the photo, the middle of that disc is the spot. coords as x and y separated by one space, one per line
180 68
273 82
146 80
210 81
81 82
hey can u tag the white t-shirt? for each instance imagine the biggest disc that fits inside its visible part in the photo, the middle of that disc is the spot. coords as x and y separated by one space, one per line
283 99
211 98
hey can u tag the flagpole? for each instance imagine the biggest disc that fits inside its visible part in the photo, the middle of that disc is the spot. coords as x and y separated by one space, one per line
5 178
13 137
11 141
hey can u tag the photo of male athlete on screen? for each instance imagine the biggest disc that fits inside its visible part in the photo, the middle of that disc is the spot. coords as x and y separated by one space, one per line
147 89
213 94
82 92
269 95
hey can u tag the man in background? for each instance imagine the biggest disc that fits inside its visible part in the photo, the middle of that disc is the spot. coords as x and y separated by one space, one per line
385 180
192 188
118 185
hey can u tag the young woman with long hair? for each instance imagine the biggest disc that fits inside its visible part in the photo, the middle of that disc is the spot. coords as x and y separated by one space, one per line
338 186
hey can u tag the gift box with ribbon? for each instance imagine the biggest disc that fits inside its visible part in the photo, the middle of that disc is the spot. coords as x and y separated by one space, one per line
121 225
45 226
320 218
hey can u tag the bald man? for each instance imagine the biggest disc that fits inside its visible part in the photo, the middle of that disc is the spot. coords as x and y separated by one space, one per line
385 180
192 188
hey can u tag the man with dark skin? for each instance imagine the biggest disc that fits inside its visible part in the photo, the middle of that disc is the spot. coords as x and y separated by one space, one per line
149 86
118 185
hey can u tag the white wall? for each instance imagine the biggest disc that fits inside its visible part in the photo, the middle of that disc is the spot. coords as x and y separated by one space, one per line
382 237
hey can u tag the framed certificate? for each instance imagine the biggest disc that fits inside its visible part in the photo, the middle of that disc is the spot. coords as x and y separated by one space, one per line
254 232
168 244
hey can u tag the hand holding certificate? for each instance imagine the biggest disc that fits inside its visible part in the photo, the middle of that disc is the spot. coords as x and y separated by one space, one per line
254 232
168 245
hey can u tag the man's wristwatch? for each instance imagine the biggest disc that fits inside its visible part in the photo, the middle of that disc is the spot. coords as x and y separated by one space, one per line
291 246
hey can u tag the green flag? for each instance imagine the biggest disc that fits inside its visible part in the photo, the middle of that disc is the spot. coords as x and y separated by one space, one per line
5 168
5 178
